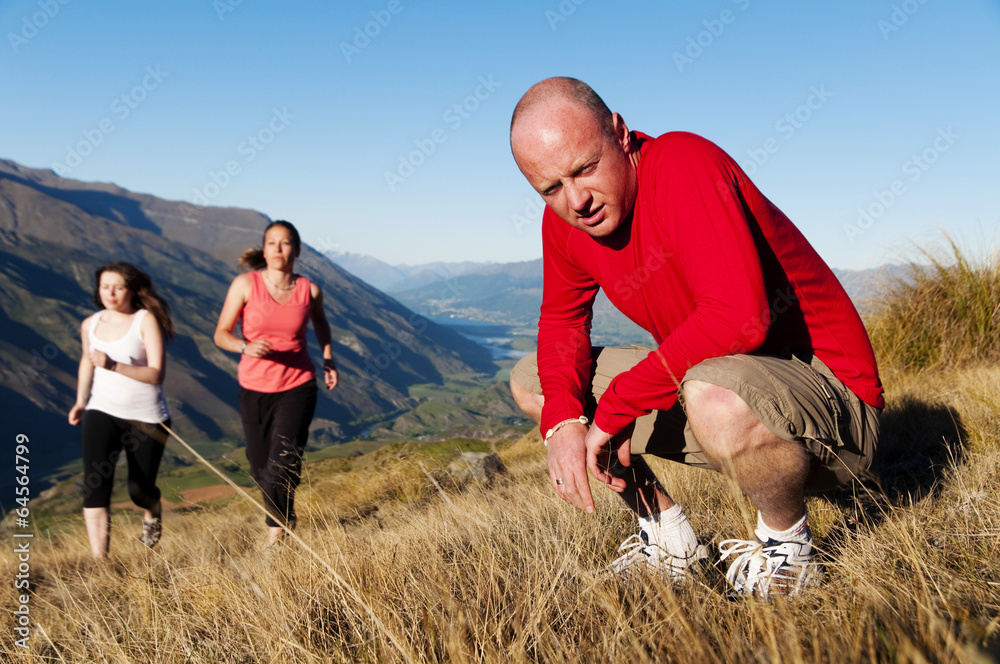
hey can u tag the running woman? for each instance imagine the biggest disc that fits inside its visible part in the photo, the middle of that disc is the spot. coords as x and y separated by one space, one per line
277 378
119 398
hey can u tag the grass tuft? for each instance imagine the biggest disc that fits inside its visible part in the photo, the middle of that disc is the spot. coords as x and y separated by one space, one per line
944 314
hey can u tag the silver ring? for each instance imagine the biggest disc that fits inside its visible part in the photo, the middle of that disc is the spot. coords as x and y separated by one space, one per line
559 481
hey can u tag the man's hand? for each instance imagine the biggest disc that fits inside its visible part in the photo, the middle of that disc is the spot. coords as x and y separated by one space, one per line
600 447
567 456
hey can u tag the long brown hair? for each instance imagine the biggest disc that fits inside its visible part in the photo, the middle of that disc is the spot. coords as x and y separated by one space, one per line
253 259
144 296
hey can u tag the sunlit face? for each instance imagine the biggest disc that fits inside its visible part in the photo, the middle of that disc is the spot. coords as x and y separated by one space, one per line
586 178
279 251
115 295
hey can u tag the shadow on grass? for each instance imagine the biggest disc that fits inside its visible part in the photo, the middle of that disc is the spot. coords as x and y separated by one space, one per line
918 443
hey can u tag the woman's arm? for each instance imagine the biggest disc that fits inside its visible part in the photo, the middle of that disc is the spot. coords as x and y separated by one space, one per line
156 356
84 376
236 299
322 328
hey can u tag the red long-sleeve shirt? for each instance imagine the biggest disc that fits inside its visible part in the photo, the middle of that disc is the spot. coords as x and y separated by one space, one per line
709 267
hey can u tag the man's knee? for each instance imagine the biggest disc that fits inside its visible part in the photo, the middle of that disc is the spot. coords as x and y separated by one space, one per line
526 400
705 401
719 418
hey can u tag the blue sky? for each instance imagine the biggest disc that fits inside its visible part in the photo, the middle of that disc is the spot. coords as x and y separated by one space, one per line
380 127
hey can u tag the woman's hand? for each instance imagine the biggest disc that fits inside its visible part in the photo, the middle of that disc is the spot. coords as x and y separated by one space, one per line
258 348
322 328
101 360
330 374
75 413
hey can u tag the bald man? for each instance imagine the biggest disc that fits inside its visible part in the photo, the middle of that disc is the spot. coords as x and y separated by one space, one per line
763 369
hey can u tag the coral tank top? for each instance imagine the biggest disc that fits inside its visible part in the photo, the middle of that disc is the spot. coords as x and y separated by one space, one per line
284 326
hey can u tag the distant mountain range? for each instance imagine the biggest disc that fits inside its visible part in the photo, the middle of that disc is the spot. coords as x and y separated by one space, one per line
499 293
511 293
55 232
394 278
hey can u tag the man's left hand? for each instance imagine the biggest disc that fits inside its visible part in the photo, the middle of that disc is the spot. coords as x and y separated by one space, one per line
600 447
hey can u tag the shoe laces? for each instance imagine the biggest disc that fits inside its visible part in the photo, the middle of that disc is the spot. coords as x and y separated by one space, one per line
638 551
634 549
763 568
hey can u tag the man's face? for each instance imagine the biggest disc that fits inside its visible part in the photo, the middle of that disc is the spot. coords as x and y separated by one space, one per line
585 177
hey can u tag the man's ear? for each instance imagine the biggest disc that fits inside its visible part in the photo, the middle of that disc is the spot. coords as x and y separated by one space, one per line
622 135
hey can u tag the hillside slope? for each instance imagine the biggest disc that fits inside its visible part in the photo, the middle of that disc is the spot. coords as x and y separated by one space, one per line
54 232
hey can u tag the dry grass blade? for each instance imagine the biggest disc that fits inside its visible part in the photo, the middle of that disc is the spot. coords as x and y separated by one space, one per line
389 634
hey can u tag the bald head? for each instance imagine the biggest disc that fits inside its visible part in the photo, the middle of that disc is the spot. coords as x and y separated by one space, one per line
562 90
576 154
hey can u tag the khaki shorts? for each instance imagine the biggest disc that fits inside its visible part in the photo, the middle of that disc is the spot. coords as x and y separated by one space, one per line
797 400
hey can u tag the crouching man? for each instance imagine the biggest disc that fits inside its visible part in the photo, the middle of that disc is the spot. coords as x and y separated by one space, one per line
763 370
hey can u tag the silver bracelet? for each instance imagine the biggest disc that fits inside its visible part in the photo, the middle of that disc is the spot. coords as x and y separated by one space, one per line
551 432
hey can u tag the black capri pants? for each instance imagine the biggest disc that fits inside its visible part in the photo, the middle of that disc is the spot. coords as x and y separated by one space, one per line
276 425
104 438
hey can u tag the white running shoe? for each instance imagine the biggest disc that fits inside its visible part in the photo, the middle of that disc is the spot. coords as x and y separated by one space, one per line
639 553
769 568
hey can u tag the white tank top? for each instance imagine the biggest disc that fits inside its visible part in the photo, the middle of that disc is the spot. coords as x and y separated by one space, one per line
119 395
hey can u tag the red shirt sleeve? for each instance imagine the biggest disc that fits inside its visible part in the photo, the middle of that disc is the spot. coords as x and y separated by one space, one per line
699 216
563 326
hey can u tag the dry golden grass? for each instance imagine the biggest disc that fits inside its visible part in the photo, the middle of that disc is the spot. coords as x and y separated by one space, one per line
393 571
504 573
